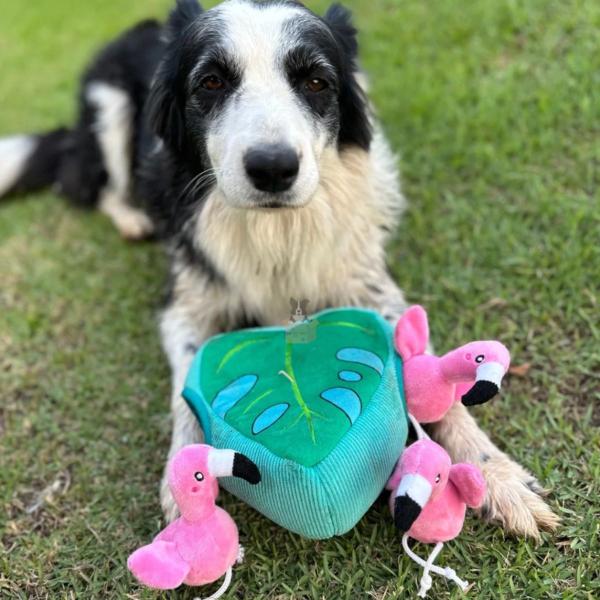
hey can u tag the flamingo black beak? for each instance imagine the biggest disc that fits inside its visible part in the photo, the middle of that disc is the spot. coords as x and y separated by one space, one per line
487 384
412 495
406 512
243 467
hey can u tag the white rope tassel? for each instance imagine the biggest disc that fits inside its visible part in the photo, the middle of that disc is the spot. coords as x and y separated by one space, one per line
223 589
421 433
428 567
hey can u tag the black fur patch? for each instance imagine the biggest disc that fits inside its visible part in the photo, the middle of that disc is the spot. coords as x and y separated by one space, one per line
355 126
182 15
82 174
485 512
42 166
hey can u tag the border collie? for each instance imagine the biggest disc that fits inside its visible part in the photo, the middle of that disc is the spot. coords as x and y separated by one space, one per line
245 135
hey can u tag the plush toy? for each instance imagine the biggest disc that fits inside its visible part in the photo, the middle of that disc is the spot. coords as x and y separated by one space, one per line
320 406
202 545
472 373
429 500
317 406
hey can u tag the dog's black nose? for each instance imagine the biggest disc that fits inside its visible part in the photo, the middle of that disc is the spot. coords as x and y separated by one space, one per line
272 168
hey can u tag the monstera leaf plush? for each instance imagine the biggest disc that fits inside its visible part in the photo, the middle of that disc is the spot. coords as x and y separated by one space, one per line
318 407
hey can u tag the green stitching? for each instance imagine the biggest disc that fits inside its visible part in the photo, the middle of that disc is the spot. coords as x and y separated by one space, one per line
236 349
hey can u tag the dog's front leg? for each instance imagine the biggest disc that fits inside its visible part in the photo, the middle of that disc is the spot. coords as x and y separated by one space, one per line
514 495
181 337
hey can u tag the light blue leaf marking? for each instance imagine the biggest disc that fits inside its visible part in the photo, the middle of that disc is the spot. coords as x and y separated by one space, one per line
363 357
232 394
351 376
269 417
346 400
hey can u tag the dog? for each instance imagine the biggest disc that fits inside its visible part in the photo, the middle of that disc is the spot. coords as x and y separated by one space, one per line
243 137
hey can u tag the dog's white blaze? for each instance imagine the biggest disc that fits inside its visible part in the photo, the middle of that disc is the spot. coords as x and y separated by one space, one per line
220 463
491 371
266 110
415 487
14 153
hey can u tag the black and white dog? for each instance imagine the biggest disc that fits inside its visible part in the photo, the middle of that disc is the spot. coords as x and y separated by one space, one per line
245 134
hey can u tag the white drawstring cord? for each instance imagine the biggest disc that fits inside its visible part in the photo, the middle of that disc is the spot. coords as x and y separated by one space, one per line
421 433
446 572
222 589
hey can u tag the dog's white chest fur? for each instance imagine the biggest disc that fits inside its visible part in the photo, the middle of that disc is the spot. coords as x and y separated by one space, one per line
322 252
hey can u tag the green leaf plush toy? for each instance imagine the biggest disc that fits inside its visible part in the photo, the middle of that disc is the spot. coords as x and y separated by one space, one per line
319 408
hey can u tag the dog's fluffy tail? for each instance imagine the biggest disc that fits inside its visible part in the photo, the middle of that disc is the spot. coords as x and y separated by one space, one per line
31 162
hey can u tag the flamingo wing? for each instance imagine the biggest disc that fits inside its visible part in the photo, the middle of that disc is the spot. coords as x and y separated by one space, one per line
159 566
469 483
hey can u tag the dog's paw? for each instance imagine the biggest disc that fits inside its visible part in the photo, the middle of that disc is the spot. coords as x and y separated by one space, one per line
514 499
167 502
133 224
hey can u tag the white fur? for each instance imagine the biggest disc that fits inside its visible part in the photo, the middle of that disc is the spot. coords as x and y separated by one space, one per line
14 153
324 251
114 130
266 109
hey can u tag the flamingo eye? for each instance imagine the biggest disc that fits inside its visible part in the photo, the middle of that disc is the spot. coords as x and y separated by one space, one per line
199 476
479 359
438 478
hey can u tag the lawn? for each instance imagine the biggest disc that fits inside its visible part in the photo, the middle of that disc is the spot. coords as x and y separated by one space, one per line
494 107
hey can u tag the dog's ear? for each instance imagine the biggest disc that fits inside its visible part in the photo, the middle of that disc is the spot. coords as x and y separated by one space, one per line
165 110
339 19
182 15
355 122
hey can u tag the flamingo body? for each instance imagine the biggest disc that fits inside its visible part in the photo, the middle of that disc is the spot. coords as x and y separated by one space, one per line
203 544
471 374
441 520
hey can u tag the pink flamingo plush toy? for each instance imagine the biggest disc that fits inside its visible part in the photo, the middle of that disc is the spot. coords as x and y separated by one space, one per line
202 545
429 500
472 373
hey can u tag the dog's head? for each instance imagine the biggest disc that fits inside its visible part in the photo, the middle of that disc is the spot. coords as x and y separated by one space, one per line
252 93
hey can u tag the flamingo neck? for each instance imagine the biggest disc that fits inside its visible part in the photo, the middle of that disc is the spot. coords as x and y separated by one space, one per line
455 368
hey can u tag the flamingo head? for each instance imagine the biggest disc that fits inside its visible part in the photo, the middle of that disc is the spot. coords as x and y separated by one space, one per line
193 474
424 472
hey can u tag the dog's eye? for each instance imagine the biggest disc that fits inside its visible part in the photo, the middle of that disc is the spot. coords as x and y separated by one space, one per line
199 476
480 358
212 83
438 478
316 85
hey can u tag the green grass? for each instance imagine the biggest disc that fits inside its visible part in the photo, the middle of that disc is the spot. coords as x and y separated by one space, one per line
494 107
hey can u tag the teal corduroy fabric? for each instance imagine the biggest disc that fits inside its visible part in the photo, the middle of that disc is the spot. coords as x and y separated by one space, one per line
329 497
